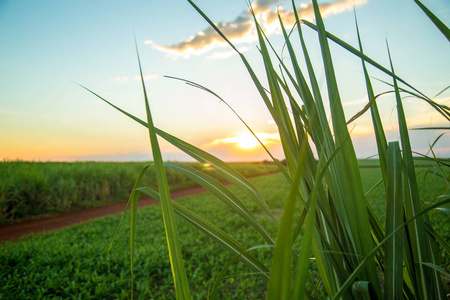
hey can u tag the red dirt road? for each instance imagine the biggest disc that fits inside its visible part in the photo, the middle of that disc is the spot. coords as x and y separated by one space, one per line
12 232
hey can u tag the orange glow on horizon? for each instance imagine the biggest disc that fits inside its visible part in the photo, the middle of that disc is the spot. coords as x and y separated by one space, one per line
247 141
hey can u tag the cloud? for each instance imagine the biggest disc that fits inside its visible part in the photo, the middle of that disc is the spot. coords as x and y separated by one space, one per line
241 30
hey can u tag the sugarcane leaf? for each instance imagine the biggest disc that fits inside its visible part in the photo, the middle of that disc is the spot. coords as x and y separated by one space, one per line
223 194
437 22
222 238
393 287
181 283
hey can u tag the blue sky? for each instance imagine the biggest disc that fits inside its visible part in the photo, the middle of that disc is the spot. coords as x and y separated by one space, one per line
49 47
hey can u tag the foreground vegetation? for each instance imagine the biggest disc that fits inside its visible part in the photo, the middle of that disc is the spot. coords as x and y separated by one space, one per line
327 227
329 242
72 262
36 188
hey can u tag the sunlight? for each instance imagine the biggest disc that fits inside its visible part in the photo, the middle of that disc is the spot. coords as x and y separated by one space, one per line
245 140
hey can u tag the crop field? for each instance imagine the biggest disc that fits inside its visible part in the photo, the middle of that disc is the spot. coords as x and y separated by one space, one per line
73 262
326 226
33 188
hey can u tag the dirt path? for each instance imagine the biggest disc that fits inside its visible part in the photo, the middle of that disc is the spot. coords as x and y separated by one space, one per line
12 232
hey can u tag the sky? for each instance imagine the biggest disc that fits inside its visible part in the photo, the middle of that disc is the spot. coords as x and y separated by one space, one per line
49 48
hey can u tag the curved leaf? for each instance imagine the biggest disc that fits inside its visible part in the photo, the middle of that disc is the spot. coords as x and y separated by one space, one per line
223 194
227 172
181 283
222 238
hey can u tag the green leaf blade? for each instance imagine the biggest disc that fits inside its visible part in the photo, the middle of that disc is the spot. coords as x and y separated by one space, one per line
222 238
394 219
181 283
223 194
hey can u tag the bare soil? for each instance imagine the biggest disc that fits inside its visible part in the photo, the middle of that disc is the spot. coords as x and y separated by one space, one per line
53 223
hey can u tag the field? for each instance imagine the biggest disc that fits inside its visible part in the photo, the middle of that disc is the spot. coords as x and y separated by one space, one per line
72 262
32 188
327 226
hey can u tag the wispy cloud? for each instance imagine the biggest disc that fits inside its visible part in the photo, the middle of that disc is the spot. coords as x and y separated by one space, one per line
241 29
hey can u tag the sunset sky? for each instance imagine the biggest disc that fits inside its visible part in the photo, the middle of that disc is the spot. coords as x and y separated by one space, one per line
49 47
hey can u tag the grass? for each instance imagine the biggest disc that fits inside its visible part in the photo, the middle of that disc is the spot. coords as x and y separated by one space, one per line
68 264
36 188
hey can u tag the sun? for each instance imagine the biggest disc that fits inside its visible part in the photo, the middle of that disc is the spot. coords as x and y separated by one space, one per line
246 141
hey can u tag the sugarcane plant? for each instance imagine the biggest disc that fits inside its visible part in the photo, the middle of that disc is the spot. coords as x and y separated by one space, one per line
327 224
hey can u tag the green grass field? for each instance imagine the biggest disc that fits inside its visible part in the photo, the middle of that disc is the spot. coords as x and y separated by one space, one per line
34 188
72 264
